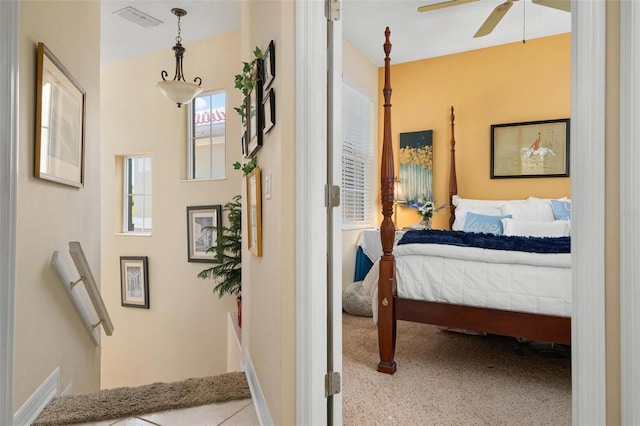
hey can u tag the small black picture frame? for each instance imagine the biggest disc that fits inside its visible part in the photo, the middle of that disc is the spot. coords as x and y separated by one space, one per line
269 110
203 225
134 281
269 65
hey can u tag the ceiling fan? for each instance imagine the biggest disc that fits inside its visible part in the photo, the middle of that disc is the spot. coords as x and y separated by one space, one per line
498 13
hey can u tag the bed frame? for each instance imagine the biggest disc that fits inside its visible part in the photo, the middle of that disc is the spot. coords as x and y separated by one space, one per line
391 308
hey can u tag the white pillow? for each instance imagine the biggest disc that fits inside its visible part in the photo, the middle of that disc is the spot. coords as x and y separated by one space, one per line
530 210
536 228
484 207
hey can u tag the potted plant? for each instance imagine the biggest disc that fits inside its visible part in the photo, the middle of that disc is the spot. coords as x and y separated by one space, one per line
228 249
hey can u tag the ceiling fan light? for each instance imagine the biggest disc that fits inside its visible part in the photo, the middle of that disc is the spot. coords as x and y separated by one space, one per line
180 92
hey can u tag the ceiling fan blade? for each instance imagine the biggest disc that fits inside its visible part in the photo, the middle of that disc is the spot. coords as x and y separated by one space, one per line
442 4
556 4
493 19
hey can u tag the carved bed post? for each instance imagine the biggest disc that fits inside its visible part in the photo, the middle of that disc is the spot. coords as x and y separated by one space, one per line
387 280
453 181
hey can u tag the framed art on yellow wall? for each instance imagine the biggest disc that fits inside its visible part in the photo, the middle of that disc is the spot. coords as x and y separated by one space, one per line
60 122
254 212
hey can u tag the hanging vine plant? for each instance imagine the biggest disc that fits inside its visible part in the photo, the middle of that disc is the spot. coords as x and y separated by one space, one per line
246 81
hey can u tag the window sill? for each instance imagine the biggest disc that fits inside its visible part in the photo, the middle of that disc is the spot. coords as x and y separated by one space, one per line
202 180
134 234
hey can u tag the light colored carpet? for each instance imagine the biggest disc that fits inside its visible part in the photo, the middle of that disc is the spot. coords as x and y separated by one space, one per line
447 378
118 403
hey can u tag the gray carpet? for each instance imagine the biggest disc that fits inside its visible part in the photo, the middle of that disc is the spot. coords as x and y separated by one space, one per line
125 402
447 378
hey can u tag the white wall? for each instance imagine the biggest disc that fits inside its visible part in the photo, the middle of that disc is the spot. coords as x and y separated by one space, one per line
48 331
183 334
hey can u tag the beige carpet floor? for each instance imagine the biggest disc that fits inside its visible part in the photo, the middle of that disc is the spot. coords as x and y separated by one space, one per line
448 378
118 403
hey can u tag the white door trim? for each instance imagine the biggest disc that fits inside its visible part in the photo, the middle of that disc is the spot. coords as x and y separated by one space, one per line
588 49
8 188
629 212
311 235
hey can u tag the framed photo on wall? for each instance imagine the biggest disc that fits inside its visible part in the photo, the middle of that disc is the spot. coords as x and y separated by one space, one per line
530 149
134 281
203 224
254 212
60 122
269 65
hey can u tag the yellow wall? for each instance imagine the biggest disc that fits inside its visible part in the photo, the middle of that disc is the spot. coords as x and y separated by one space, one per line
183 334
505 84
48 330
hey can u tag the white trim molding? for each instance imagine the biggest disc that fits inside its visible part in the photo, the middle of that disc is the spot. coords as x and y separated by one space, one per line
259 401
629 212
587 190
311 239
9 12
32 408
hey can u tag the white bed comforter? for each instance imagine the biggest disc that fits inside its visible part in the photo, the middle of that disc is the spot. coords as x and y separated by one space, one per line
510 280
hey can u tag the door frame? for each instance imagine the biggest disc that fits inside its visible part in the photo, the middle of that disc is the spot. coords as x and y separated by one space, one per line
8 189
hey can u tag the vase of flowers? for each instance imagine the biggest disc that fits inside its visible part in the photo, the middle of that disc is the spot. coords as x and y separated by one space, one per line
426 208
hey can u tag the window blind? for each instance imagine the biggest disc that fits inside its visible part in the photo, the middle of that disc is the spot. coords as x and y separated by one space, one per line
358 153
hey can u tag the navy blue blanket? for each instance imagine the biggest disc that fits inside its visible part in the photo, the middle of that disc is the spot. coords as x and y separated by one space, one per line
487 241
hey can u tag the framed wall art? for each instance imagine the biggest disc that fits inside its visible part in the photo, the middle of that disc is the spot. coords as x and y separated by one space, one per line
203 223
269 65
253 105
134 281
254 212
269 110
530 149
416 165
60 122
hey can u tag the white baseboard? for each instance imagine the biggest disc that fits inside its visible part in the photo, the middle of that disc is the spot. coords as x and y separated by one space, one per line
259 402
32 408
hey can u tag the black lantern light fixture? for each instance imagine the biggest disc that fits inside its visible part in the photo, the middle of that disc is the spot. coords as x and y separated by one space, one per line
178 90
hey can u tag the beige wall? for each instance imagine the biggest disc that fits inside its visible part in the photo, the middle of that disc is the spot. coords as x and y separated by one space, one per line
361 71
504 84
183 334
268 282
48 330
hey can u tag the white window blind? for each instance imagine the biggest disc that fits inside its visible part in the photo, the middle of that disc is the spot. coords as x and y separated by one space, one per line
358 153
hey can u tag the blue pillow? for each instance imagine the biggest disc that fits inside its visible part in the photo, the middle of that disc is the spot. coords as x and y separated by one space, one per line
480 223
561 209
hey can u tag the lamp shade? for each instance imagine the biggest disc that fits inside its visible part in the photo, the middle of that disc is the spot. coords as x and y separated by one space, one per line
180 92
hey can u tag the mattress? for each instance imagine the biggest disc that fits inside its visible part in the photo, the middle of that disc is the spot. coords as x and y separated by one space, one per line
515 281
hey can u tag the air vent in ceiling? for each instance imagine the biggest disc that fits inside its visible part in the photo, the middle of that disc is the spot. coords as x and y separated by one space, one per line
134 15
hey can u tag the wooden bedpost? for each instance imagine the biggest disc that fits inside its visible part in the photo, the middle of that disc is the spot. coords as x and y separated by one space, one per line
453 181
387 280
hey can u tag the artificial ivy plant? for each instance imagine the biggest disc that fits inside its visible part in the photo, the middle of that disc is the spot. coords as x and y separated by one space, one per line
247 80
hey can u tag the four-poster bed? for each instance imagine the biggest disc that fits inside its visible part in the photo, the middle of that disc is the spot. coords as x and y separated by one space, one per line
391 307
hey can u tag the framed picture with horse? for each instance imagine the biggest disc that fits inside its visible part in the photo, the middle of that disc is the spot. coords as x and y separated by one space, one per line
531 149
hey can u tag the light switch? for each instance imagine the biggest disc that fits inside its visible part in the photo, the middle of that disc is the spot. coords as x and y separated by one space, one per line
267 187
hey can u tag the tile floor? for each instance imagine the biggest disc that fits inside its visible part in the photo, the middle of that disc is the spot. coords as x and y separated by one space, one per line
232 413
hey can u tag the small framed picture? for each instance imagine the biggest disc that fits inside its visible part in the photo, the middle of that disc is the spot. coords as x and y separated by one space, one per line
269 110
269 65
254 121
254 212
203 223
134 281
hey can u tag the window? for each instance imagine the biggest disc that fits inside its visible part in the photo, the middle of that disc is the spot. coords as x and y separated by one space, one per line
137 194
358 152
207 140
